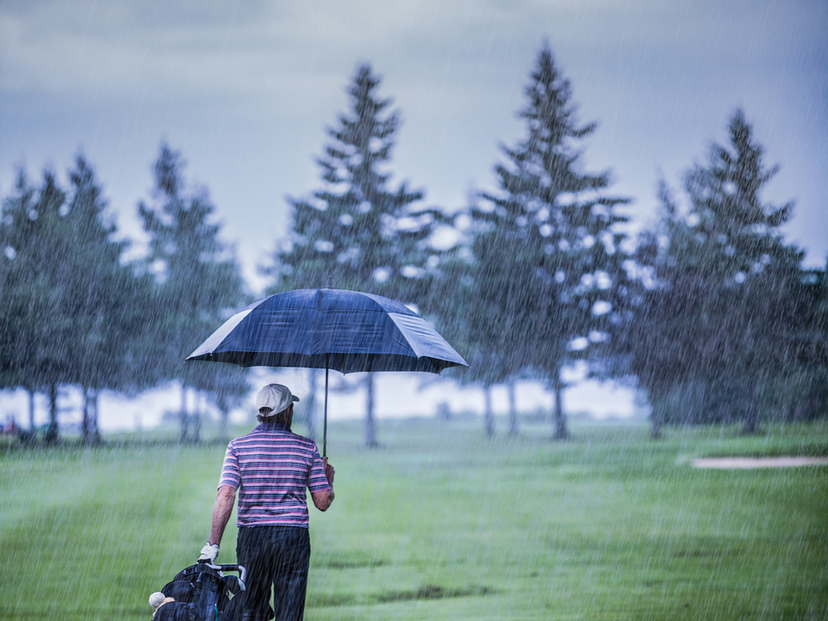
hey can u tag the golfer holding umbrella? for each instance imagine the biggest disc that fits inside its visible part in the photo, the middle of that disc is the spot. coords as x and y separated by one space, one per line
346 331
271 467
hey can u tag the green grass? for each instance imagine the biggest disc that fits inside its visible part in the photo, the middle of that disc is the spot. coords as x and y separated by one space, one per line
440 523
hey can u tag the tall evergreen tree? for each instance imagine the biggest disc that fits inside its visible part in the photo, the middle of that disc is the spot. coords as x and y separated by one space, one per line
39 327
200 283
70 304
546 268
24 293
720 330
108 301
358 232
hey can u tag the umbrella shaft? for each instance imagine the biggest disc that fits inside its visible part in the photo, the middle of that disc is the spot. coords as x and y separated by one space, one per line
325 420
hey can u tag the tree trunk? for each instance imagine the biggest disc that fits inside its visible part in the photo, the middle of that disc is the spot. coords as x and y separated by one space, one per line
224 415
310 406
370 424
89 427
560 422
655 424
513 417
94 431
488 415
85 416
31 409
751 416
52 433
183 416
195 417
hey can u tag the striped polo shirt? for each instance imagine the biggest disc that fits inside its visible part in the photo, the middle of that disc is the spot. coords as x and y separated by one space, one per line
271 467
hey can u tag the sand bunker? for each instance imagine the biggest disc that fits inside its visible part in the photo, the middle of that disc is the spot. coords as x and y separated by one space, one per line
731 463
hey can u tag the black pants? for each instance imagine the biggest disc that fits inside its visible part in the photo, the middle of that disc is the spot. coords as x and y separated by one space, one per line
278 556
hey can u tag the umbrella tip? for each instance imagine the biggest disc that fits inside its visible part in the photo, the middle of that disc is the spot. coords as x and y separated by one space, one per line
329 283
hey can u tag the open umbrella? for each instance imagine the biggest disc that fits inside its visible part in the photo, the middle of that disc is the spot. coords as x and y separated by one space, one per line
347 331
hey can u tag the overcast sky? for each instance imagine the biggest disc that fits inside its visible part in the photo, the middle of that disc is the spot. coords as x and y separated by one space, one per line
246 90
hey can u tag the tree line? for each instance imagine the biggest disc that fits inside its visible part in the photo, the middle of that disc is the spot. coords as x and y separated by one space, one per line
709 312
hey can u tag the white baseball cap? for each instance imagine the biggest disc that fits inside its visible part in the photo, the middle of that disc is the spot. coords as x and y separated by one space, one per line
276 397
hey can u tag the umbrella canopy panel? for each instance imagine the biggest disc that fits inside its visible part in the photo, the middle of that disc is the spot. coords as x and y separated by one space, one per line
346 331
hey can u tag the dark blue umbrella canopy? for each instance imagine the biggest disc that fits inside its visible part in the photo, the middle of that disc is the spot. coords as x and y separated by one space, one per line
326 329
336 329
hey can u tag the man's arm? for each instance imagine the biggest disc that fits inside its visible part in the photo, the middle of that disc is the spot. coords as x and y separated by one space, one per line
225 498
322 500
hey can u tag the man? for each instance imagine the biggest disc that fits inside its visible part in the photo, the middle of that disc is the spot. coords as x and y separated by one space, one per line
271 467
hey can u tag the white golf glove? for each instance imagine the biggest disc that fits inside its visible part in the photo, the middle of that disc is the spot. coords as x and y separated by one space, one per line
209 553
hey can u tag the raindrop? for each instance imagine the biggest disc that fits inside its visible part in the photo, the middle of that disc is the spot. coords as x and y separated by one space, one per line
364 207
740 277
545 230
33 214
729 251
64 210
563 245
346 219
323 246
560 276
10 253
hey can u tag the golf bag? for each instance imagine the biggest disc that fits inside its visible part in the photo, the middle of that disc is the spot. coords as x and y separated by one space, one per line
203 593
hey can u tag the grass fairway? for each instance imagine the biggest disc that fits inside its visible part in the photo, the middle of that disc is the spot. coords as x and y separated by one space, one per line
440 523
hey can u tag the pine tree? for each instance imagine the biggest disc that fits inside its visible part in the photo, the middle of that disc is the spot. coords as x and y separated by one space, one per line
24 293
718 335
358 232
546 268
200 283
108 301
40 328
70 304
